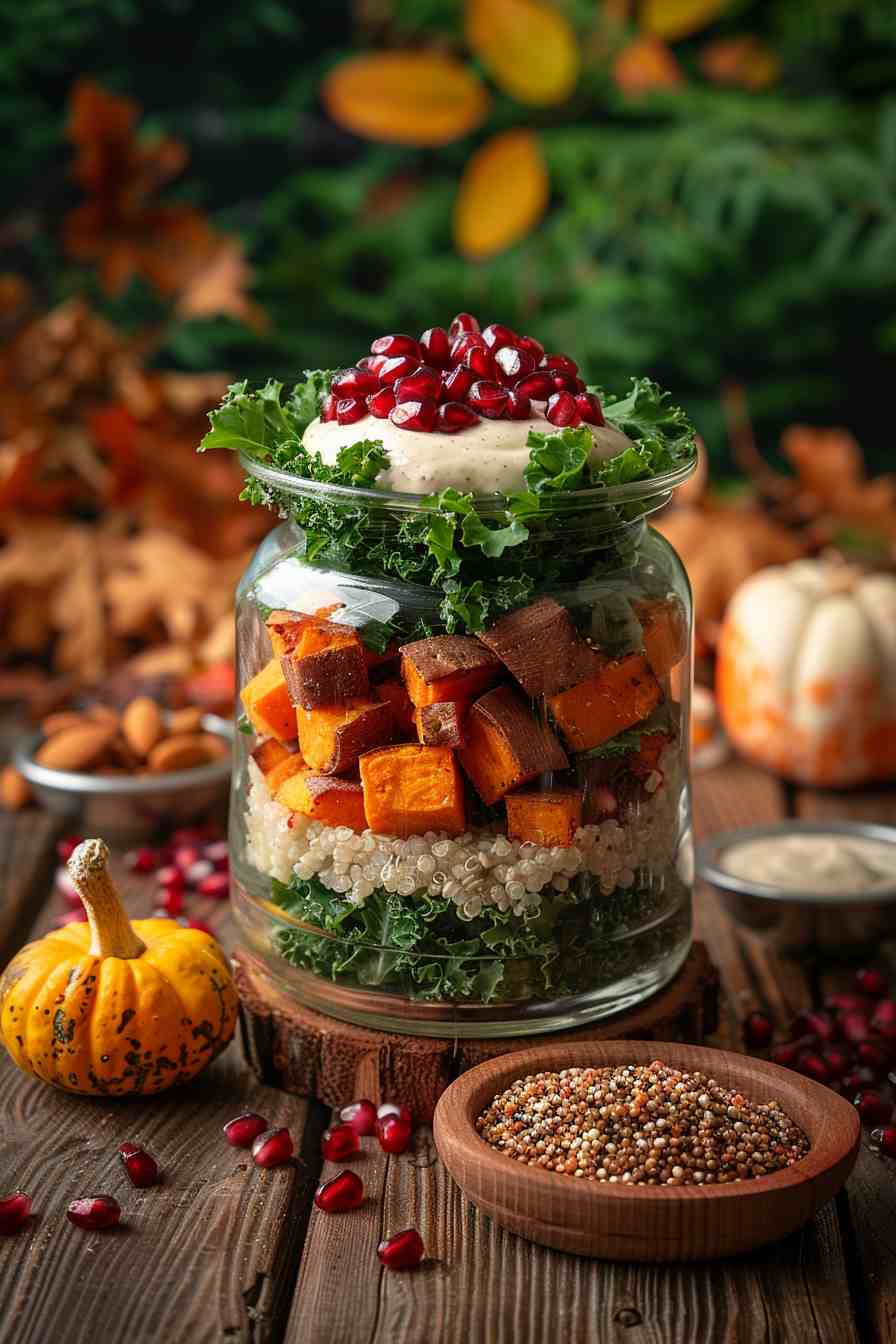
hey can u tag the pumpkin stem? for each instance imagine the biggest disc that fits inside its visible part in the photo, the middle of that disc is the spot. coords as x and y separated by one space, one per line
110 928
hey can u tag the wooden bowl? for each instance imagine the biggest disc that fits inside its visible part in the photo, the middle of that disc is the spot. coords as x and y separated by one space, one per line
642 1222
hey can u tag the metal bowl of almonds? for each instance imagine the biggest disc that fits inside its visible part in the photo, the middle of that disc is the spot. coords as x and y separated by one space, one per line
129 772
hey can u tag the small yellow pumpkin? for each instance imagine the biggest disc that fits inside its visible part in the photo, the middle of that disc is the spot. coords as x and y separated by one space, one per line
111 1008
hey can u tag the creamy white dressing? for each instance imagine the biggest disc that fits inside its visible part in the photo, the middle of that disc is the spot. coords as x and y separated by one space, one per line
824 863
490 456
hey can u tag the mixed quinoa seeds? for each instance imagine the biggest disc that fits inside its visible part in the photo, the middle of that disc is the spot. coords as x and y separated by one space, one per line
641 1125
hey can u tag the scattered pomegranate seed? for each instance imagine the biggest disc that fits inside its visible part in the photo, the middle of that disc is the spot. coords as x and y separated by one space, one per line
883 1140
496 334
14 1209
513 364
171 901
784 1054
883 1020
359 1116
245 1129
390 346
837 1060
820 1025
435 347
590 408
216 885
454 416
562 410
340 1142
350 410
94 1212
463 322
422 382
393 1135
200 925
395 1108
846 1003
328 408
404 1250
198 871
218 853
353 384
464 345
811 1065
871 1107
169 876
855 1027
66 847
141 1166
419 415
537 386
560 364
343 1192
488 398
871 982
272 1148
758 1030
518 407
457 383
185 856
397 367
70 917
381 403
531 347
142 860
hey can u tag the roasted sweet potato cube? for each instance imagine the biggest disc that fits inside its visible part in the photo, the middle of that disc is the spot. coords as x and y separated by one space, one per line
647 757
441 725
622 693
336 674
392 692
411 789
269 754
285 629
447 667
326 798
541 648
506 745
267 704
547 817
284 771
332 737
665 628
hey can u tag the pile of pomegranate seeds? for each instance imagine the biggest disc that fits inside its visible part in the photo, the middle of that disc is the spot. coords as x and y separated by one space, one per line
447 380
141 1166
95 1213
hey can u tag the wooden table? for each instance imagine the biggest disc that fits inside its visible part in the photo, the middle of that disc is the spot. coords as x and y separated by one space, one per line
224 1252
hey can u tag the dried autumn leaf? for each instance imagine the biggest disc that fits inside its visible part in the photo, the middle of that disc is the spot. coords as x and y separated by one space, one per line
674 19
744 61
527 47
405 97
220 287
503 194
646 64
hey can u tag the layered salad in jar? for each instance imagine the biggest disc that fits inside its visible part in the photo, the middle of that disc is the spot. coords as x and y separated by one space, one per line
462 672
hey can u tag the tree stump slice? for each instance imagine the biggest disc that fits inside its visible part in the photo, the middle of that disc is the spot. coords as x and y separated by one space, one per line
312 1055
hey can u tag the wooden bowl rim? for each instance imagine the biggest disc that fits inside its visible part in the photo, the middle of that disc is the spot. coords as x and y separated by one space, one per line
463 1100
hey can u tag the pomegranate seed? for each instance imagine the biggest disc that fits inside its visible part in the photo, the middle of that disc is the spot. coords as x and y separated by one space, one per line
185 856
218 853
14 1209
564 382
340 1142
381 403
171 901
70 917
884 1140
328 408
404 1250
66 847
393 1135
353 384
855 1027
488 398
813 1066
872 982
518 407
198 871
343 1192
531 347
837 1059
496 334
454 416
397 367
169 876
142 860
871 1107
482 362
537 386
883 1020
370 362
560 364
272 1148
436 347
873 1056
390 346
562 410
857 1079
758 1031
359 1116
419 415
590 408
350 410
94 1212
463 322
457 383
819 1025
513 364
784 1054
423 382
200 925
141 1166
394 1108
846 1003
216 885
464 345
579 385
245 1129
375 364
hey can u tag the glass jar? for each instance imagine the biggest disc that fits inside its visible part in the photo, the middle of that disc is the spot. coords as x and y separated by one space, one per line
568 903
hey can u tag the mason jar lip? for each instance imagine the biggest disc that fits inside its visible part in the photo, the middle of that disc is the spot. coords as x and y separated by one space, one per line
599 495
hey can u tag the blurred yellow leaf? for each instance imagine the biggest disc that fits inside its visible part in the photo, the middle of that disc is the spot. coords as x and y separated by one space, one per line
405 97
740 60
527 47
503 194
646 64
673 19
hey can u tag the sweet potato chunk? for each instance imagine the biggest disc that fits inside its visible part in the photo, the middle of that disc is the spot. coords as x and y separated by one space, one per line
336 674
647 757
267 704
441 725
326 798
392 692
665 632
506 745
547 817
332 737
269 754
541 648
410 789
447 667
622 693
284 771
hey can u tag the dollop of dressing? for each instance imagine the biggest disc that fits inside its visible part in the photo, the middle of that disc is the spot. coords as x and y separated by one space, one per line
490 456
825 863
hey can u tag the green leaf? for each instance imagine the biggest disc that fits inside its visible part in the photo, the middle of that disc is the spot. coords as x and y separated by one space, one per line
559 461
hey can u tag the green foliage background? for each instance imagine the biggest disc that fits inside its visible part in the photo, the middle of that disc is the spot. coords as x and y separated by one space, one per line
696 236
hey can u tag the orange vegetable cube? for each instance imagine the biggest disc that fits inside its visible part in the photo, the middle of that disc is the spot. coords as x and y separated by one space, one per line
547 817
441 725
392 692
410 789
620 695
269 754
506 745
285 770
332 737
448 667
665 632
267 704
326 798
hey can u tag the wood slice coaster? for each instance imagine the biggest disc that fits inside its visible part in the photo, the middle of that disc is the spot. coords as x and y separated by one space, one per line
307 1053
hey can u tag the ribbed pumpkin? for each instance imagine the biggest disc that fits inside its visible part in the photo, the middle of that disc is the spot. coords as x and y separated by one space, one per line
806 673
113 1008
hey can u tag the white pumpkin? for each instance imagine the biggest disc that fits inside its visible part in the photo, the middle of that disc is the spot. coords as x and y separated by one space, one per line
806 672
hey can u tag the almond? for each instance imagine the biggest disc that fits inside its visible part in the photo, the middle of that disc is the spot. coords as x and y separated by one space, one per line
180 752
187 720
142 725
75 748
103 714
63 718
15 791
